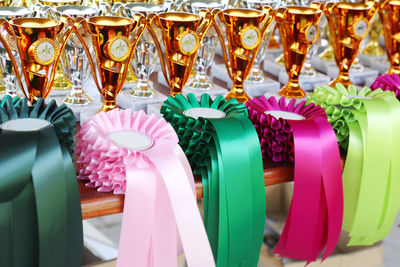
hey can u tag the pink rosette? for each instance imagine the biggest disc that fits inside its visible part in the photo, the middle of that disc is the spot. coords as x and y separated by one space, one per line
152 171
388 82
315 217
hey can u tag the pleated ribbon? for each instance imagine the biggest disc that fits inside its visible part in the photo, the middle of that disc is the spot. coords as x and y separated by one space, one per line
40 213
160 203
367 126
315 217
226 153
388 82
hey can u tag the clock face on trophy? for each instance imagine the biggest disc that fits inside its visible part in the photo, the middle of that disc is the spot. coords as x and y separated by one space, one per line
188 42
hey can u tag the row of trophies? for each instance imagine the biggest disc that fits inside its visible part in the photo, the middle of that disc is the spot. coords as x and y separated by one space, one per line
109 41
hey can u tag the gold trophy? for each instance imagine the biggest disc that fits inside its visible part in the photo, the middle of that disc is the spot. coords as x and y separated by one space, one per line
299 30
181 33
348 25
114 39
389 12
245 30
39 43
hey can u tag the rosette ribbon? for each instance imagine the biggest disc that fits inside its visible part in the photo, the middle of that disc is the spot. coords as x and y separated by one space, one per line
155 176
314 221
388 82
40 212
367 126
222 146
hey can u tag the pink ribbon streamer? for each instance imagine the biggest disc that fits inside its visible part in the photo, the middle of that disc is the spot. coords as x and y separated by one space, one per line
160 212
315 217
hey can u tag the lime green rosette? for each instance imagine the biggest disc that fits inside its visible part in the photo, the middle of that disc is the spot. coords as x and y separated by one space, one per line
40 213
226 152
367 126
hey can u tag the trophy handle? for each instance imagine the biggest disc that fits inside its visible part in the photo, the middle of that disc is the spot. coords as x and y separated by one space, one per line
141 26
65 20
269 16
9 52
116 9
150 18
218 13
373 10
84 23
280 14
205 23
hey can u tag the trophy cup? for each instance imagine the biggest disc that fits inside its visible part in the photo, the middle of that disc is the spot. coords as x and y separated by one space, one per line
182 34
114 40
256 75
8 79
348 24
74 60
299 30
389 12
200 82
245 30
39 50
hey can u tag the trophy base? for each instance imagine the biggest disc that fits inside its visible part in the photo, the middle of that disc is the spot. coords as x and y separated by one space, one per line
356 77
218 71
278 96
307 83
369 81
379 63
126 101
214 92
154 109
273 67
321 64
273 53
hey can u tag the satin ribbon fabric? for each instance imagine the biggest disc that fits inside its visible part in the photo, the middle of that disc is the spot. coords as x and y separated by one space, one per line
367 125
388 82
226 153
160 204
40 213
315 217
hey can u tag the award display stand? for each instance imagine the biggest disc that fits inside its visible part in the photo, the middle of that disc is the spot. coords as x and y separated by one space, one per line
217 90
273 67
322 65
126 101
307 83
218 71
357 77
379 63
154 109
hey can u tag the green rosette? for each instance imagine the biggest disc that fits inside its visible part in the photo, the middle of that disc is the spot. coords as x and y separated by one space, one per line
40 213
367 126
226 152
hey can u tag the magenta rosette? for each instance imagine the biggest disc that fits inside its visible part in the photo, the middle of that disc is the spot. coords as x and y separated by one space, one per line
388 82
302 133
139 156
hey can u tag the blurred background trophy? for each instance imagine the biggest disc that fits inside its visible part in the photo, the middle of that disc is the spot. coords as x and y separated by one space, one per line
181 34
245 30
144 60
74 60
389 12
298 26
348 24
114 40
8 79
39 50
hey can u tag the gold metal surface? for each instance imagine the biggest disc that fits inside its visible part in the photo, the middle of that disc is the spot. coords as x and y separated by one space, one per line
38 72
240 56
111 66
389 12
179 60
348 25
299 30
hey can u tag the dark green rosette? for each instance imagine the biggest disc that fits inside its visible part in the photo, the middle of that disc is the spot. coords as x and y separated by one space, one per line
367 126
40 213
222 146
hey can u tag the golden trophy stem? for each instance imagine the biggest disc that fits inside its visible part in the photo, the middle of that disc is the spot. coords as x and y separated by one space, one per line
237 92
292 89
343 76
